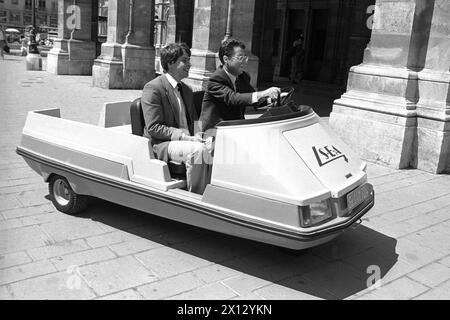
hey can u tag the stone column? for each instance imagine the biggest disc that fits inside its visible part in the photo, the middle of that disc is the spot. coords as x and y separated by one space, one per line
127 59
73 52
433 108
377 114
210 24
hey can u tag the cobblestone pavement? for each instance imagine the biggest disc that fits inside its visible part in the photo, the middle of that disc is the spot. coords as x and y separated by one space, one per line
113 252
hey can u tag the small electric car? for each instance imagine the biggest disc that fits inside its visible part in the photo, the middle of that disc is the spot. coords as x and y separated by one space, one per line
283 178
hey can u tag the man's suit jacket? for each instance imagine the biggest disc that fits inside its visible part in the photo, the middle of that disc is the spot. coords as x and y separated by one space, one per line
222 102
161 114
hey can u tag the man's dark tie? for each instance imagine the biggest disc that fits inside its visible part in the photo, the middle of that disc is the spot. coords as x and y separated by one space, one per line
180 89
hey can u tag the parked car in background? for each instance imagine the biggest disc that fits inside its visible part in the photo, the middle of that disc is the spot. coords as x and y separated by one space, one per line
12 35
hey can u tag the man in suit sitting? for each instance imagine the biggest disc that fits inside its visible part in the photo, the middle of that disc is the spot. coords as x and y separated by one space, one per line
229 90
170 115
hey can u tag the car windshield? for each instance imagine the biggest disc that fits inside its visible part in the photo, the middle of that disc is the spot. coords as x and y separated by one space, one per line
288 111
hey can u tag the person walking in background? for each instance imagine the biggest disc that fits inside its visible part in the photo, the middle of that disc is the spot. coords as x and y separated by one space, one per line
3 42
24 47
297 55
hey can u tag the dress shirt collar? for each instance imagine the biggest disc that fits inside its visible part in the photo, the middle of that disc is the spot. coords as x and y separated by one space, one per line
232 78
172 81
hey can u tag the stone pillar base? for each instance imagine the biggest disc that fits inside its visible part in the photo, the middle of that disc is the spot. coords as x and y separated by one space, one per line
71 57
375 136
433 122
132 68
375 118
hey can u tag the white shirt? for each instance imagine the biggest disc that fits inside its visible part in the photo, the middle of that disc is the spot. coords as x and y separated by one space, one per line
181 107
2 35
233 81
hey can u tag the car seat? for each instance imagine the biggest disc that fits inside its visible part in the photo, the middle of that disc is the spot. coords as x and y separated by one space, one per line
176 169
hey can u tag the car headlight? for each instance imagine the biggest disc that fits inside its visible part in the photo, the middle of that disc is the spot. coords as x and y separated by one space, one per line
315 213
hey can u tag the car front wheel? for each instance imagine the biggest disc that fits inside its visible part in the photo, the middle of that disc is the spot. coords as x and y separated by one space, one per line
64 198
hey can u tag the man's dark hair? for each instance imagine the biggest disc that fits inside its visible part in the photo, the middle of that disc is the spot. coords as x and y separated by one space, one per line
227 48
171 53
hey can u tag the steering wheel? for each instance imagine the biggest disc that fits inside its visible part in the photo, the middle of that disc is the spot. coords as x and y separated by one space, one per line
284 98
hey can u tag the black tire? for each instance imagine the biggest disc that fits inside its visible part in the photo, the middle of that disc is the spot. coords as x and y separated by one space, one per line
64 198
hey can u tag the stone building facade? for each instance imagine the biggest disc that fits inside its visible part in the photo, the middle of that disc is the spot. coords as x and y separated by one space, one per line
390 57
18 13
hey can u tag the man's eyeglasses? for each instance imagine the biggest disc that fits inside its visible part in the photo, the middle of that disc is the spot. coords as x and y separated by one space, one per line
243 59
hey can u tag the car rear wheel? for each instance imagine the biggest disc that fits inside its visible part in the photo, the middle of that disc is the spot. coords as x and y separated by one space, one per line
64 198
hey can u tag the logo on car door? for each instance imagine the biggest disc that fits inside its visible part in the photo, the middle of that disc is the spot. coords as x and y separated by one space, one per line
327 154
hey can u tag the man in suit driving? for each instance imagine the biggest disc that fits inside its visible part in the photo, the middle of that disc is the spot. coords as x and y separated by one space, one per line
170 115
229 90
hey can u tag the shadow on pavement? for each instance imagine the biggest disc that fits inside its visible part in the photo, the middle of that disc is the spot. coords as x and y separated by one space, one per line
336 270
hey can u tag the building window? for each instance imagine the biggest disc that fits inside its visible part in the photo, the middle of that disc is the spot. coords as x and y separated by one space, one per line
27 19
54 6
3 16
28 4
41 20
54 21
162 8
15 2
102 18
14 17
41 4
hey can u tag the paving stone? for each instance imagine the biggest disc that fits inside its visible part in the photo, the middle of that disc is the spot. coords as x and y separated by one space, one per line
416 254
395 177
130 294
16 173
424 221
34 197
374 171
376 222
116 275
21 188
340 279
250 296
400 289
22 238
215 291
21 182
4 294
215 273
82 258
170 286
412 211
110 238
57 248
56 286
403 183
431 275
25 271
439 293
279 292
10 224
433 239
9 202
27 211
39 219
383 257
13 259
245 284
445 261
76 229
134 246
167 262
399 229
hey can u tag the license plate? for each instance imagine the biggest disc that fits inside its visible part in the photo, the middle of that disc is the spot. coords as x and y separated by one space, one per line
356 197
